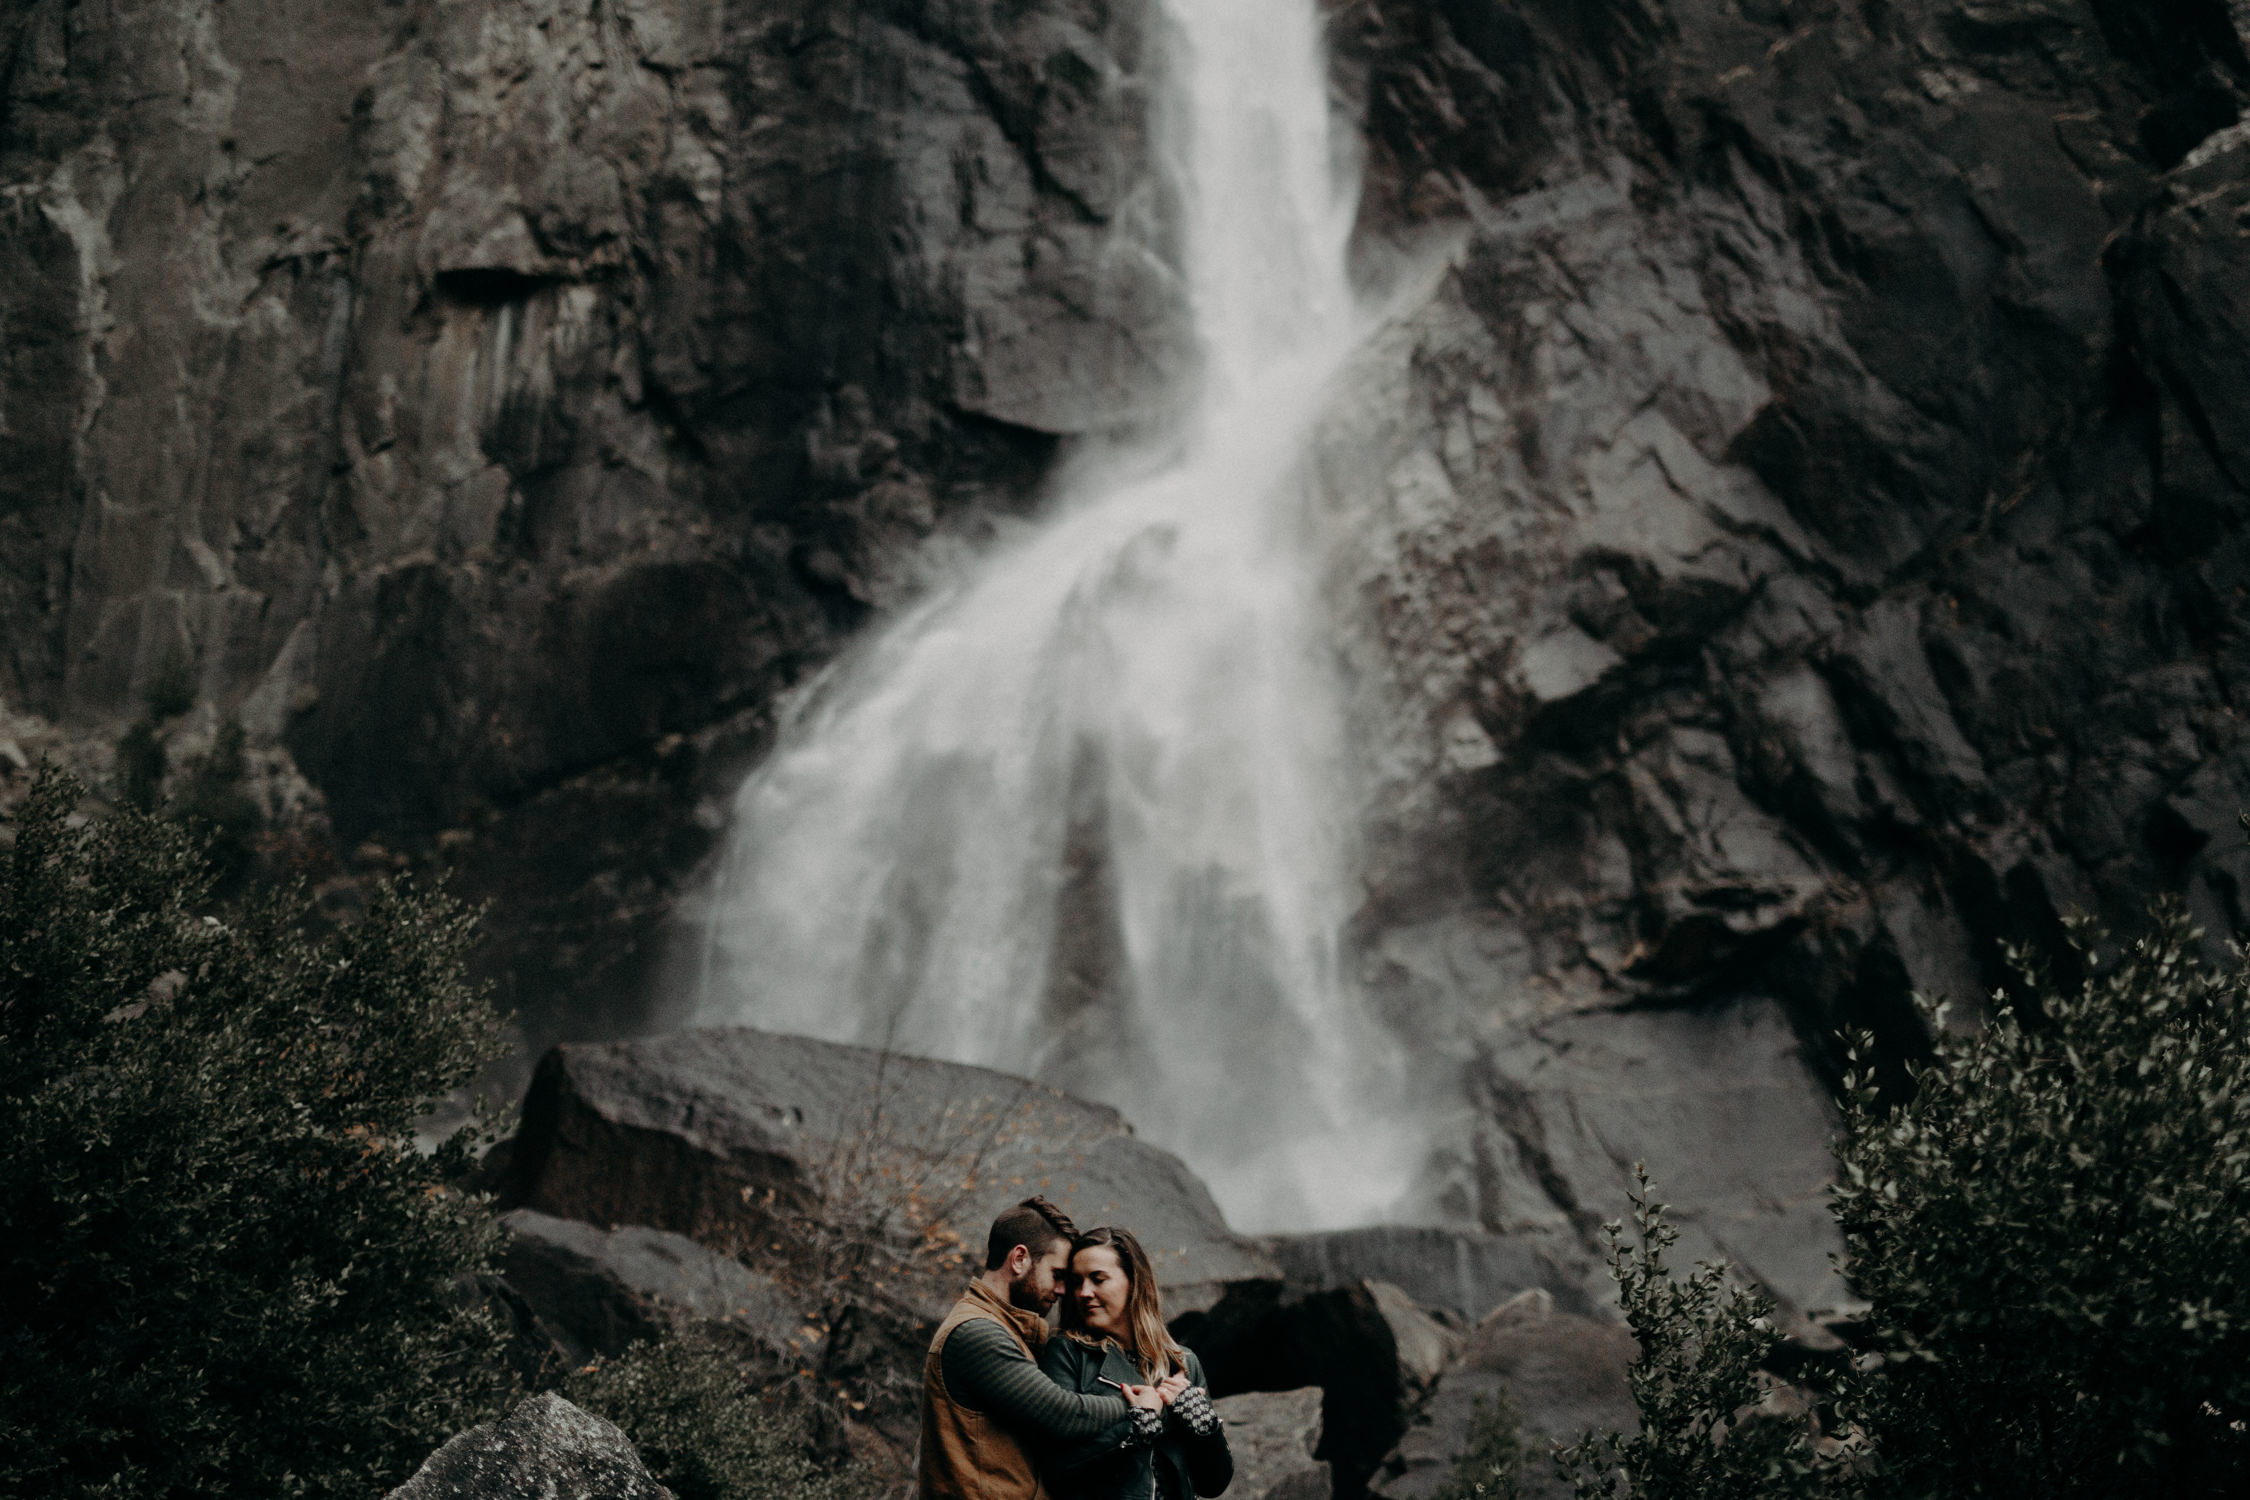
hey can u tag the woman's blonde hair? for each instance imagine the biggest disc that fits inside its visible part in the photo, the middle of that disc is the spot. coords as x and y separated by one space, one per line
1146 1341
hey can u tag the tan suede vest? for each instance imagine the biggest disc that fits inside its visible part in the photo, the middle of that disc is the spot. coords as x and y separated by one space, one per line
965 1454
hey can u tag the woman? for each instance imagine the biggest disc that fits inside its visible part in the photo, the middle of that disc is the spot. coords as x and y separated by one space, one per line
1114 1335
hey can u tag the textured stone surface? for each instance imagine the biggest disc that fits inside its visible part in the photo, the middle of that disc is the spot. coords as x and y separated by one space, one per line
1466 1272
496 405
1373 1352
1272 1436
1798 546
729 1134
596 1290
545 1447
1564 1375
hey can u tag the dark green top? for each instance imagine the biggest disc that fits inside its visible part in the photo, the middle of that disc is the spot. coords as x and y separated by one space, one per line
1179 1465
987 1372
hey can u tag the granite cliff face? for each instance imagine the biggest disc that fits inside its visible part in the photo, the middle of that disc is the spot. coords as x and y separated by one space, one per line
1795 521
1801 542
495 405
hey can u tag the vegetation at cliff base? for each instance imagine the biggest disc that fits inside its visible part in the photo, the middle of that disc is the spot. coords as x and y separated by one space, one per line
227 1268
1698 1382
1491 1466
704 1429
2053 1238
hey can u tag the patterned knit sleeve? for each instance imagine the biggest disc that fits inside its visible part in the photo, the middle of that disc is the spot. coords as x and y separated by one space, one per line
1194 1411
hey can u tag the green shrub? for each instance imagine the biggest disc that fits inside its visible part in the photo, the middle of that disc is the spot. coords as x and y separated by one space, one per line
1491 1467
1697 1380
226 1270
704 1428
2053 1238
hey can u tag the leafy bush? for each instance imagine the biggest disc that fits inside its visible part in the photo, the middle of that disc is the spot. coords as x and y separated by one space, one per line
1491 1467
226 1271
704 1429
2053 1237
1698 1381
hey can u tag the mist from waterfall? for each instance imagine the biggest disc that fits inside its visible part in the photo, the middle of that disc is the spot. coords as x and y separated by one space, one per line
1084 813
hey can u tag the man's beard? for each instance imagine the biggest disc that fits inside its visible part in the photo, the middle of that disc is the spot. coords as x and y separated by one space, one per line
1024 1294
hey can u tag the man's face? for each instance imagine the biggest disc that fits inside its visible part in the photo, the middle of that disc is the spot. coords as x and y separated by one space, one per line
1039 1283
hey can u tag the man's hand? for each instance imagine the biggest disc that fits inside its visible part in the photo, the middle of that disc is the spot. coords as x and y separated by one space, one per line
1170 1386
1146 1397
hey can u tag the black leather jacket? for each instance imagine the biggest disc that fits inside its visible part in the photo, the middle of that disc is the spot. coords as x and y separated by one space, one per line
1179 1465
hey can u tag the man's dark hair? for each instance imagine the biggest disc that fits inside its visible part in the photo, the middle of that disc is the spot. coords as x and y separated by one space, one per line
1035 1224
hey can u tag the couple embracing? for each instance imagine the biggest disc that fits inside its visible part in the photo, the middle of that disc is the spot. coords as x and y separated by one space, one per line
1110 1408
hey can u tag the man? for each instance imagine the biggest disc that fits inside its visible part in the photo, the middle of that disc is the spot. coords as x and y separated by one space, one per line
985 1401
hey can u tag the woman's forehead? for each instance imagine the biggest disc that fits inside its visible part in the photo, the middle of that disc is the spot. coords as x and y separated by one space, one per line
1097 1258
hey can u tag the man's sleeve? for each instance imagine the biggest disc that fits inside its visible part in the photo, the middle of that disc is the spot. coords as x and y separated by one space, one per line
986 1372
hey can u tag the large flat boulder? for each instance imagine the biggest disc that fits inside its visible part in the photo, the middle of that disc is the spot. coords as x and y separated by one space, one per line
771 1145
546 1448
1273 1436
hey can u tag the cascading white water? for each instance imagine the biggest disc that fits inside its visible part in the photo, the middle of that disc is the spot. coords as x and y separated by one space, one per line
1120 734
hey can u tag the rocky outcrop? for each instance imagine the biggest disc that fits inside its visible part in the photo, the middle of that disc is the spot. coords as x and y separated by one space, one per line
1374 1353
762 1143
1797 538
591 1291
1564 1376
1271 1436
545 1447
496 406
851 1356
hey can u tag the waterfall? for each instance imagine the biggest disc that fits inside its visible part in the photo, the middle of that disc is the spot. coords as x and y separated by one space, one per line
1084 814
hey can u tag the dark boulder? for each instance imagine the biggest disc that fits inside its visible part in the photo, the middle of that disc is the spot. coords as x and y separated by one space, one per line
1565 1376
593 1291
545 1447
1273 1436
1374 1354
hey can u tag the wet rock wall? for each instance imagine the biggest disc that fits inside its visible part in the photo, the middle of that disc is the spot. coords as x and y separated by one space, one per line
1799 546
495 406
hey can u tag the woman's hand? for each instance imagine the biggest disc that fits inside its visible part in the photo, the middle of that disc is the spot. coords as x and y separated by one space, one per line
1170 1386
1146 1397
